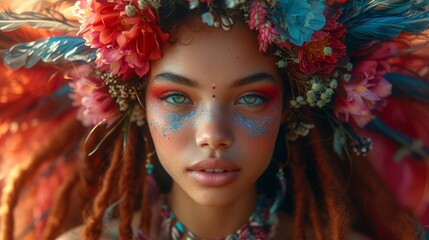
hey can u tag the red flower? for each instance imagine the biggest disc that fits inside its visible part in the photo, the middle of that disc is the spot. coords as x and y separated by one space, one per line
126 42
322 53
364 92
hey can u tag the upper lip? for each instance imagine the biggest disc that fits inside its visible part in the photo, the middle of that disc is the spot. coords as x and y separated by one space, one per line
214 163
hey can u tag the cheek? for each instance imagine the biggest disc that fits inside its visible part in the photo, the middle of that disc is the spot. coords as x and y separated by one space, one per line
252 127
258 134
260 126
169 130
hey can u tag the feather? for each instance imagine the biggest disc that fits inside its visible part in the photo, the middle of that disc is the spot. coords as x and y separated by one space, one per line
415 148
25 102
419 90
10 21
339 141
48 50
24 34
368 20
35 5
279 197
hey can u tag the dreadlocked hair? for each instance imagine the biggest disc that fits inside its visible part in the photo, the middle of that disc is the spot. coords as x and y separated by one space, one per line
319 197
68 133
59 210
332 188
303 199
79 187
93 226
125 164
127 185
324 186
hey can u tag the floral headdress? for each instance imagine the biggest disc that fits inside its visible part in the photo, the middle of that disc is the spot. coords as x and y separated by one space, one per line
341 57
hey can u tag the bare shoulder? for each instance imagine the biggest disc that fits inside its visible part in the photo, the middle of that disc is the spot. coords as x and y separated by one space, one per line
285 231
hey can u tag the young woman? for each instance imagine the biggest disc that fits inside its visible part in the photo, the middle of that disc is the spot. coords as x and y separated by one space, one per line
213 120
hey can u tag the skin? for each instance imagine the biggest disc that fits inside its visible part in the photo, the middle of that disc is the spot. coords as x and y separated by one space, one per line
200 106
216 127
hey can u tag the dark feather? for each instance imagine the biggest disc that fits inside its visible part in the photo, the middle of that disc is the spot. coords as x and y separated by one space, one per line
10 21
418 90
369 20
48 50
408 146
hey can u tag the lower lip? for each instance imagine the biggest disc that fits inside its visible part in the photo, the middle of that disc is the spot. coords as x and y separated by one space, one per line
214 179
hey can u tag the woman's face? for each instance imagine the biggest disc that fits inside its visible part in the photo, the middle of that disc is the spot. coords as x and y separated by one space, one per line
214 106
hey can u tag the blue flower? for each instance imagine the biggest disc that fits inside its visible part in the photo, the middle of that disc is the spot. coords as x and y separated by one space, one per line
298 19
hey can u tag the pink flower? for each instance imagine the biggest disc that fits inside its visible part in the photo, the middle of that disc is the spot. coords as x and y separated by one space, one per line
91 96
266 36
126 42
257 15
257 21
363 93
321 54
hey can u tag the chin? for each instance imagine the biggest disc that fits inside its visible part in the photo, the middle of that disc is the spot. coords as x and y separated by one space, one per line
214 198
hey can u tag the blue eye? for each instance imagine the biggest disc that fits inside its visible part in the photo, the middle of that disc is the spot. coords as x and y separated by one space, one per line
176 98
251 99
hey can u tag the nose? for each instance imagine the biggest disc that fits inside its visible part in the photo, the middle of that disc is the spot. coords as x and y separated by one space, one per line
214 130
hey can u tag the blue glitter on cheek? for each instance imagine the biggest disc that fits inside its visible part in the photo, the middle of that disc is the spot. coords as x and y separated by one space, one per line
254 128
176 121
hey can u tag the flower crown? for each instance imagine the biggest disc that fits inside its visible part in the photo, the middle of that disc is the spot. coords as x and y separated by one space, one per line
336 53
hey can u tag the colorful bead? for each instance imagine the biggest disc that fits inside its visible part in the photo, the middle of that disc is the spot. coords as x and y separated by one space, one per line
259 225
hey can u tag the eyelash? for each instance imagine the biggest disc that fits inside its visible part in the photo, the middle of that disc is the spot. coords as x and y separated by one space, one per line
257 102
171 98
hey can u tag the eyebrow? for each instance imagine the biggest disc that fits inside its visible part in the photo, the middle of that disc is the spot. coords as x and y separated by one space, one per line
256 77
171 77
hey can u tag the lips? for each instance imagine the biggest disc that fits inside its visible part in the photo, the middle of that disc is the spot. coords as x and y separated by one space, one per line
214 163
214 172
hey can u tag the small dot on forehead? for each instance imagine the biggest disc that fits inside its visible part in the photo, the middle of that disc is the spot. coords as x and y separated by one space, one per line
213 97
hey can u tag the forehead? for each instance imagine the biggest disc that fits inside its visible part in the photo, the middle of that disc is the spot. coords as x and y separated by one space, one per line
212 54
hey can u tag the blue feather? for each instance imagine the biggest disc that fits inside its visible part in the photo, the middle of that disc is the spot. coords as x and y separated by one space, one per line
339 141
419 90
48 50
369 20
63 91
415 148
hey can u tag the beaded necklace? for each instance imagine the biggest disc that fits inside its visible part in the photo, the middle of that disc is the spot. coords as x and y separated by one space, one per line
261 225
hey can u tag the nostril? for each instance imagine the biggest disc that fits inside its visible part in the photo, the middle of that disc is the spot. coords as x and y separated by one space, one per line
213 133
214 142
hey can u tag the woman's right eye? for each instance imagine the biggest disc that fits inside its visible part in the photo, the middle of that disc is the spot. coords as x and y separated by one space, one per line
176 98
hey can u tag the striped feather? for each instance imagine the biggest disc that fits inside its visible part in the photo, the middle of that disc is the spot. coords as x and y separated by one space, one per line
10 21
48 50
418 90
369 20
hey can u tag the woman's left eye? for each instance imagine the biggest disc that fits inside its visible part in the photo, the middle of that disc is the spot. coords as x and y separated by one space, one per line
251 99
